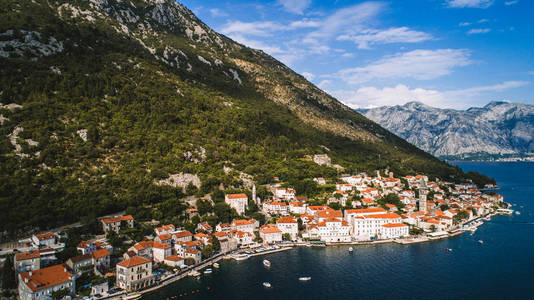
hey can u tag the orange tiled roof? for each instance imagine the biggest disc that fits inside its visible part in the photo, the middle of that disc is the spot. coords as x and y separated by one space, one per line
134 261
46 278
27 255
117 219
236 196
288 219
365 210
393 225
101 253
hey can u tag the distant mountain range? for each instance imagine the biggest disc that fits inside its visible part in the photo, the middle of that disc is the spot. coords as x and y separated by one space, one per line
497 130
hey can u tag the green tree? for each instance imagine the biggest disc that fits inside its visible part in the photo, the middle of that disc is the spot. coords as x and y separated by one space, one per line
286 237
460 216
207 251
300 225
189 261
335 205
215 243
204 206
8 274
433 228
444 207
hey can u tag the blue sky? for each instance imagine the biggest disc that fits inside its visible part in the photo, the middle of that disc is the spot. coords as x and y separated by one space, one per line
445 53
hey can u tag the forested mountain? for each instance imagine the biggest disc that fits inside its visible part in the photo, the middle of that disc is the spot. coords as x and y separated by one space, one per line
499 129
108 105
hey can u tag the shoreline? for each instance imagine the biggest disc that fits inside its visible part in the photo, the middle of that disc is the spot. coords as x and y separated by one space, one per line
288 246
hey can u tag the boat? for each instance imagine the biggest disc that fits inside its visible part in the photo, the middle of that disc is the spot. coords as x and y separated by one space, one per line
208 271
304 278
194 273
517 213
241 257
481 242
267 263
267 284
351 249
216 265
133 296
448 249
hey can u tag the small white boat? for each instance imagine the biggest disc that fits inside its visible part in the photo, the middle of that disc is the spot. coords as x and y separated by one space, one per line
304 278
208 271
517 213
351 249
133 296
216 265
481 242
267 284
194 273
267 263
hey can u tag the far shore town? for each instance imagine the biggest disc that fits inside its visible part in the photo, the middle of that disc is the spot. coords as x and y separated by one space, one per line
357 209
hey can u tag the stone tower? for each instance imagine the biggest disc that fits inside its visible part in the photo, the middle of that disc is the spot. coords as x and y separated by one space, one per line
422 199
254 198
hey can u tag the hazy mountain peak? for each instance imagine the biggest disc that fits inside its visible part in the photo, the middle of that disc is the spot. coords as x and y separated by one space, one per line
498 128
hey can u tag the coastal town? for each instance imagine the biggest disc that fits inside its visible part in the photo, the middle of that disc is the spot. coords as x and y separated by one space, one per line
356 209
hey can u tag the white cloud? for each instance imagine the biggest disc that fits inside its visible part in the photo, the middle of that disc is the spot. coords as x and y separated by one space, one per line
305 23
346 20
323 84
463 24
508 3
251 28
215 12
482 21
295 6
474 91
470 3
367 37
367 97
418 64
478 30
308 75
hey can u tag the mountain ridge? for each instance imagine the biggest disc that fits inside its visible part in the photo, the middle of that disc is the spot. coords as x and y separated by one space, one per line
105 99
498 129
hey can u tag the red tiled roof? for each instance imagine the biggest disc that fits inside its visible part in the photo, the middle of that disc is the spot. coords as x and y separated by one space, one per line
393 225
288 219
46 236
134 261
45 278
236 196
365 210
174 258
182 234
27 255
101 253
117 219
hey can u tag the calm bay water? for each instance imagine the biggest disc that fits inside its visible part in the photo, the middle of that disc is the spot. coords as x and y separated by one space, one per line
501 268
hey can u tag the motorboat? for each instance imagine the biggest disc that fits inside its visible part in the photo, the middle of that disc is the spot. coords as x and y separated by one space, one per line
208 271
267 284
304 278
351 249
481 242
267 263
448 249
216 265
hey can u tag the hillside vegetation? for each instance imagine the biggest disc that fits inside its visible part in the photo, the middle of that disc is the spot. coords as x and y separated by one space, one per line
102 99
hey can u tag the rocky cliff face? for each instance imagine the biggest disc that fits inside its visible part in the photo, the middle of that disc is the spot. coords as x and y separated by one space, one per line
497 129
